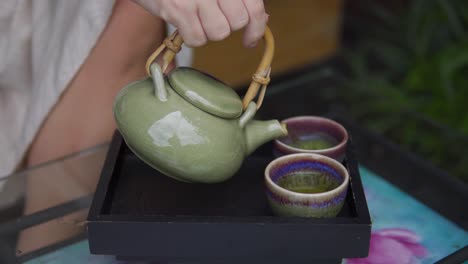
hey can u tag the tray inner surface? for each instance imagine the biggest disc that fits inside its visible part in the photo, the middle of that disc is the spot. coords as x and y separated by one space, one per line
137 189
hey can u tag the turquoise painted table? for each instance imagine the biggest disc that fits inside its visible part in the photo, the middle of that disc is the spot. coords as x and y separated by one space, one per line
404 231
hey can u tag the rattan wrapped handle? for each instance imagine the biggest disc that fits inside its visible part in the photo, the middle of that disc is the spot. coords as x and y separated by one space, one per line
260 78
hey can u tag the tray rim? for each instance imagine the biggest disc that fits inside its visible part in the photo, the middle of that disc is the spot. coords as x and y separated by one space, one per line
117 146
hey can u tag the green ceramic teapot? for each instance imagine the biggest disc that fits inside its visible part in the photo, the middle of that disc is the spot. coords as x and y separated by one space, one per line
190 126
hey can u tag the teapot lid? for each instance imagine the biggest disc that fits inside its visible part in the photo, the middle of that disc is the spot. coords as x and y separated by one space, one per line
206 92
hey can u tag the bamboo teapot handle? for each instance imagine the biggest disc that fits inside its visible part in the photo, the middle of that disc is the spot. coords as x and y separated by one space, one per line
260 79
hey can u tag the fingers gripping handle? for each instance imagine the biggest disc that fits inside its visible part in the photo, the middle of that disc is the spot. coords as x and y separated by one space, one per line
260 79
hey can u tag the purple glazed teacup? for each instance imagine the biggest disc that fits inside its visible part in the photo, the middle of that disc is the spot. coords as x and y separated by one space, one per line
312 134
306 185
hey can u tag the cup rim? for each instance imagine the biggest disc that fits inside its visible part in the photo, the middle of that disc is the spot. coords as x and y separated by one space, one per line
341 144
314 157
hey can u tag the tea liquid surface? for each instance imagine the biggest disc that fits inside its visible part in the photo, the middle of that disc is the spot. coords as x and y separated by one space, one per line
308 182
315 141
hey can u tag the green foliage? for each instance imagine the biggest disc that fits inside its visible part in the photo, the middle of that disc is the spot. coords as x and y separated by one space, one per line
413 65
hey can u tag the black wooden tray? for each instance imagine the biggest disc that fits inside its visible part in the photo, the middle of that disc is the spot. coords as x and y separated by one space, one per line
138 213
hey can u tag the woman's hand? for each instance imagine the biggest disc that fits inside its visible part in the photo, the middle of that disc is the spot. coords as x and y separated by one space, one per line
201 20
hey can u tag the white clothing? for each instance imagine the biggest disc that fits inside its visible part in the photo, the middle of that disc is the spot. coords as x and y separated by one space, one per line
36 64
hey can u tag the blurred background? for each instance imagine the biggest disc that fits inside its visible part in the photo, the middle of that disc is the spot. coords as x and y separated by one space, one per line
408 76
402 67
305 32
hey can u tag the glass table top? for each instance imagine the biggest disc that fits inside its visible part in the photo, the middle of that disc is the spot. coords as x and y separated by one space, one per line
48 204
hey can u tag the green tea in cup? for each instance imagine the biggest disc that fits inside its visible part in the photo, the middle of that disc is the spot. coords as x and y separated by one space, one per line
308 182
306 185
312 134
314 141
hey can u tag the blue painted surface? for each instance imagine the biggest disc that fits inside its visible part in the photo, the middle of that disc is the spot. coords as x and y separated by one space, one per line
393 209
399 221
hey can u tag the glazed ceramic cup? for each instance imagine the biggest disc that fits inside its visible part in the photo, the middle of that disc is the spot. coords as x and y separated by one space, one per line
306 185
310 127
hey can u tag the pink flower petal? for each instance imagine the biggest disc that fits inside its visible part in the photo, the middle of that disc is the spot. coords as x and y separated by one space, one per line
407 238
417 249
357 261
393 245
384 250
400 234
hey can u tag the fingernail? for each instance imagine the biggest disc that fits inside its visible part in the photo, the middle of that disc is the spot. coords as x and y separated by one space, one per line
253 44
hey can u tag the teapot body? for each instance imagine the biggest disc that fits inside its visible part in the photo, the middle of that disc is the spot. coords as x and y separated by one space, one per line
189 125
177 138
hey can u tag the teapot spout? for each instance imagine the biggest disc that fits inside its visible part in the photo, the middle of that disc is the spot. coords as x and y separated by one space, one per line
258 133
